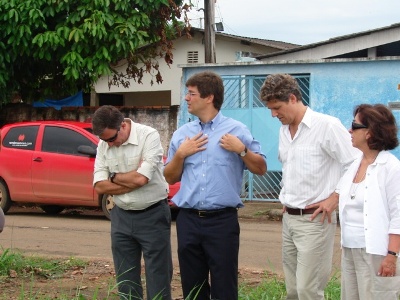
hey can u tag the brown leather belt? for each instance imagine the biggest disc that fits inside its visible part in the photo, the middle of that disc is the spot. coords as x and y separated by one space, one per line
299 211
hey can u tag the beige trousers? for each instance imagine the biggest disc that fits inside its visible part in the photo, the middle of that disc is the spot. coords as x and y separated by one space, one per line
307 249
360 280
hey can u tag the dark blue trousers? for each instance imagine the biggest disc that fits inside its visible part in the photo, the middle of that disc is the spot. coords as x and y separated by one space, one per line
208 248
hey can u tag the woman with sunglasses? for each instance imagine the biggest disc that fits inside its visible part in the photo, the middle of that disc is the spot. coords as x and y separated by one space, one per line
369 209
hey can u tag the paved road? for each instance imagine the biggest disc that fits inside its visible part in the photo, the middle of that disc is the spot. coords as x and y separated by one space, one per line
88 236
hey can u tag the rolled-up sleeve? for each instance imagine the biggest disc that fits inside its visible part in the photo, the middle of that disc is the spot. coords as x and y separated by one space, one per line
100 167
152 155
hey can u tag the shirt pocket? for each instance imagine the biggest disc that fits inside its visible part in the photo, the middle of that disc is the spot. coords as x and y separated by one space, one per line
112 164
133 162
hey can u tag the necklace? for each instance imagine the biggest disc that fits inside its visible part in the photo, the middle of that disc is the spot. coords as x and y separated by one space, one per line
354 184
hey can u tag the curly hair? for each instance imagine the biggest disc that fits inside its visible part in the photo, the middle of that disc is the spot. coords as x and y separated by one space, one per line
279 87
208 83
381 124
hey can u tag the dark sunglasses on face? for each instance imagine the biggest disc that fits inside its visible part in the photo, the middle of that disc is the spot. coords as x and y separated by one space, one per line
355 126
113 138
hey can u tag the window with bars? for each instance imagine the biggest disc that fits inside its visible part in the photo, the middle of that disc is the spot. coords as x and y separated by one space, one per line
239 89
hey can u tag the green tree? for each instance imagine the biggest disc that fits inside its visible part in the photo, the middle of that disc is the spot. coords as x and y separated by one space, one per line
53 48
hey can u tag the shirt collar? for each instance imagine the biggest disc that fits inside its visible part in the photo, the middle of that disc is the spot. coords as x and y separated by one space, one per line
214 122
132 139
307 118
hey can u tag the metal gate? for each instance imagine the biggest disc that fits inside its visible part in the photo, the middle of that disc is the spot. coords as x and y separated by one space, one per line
243 104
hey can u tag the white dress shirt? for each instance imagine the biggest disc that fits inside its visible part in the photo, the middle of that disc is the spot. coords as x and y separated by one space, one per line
314 160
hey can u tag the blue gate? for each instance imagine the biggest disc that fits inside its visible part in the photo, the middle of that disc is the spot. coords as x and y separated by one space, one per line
242 102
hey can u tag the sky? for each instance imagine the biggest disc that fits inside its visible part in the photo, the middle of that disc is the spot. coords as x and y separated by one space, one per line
299 22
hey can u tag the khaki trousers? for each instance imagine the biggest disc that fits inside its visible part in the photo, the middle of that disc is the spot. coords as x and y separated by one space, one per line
360 279
307 249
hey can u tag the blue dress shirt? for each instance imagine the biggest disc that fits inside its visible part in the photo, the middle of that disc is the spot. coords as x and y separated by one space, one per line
212 179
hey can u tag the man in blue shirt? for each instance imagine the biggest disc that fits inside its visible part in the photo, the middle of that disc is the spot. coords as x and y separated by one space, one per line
208 156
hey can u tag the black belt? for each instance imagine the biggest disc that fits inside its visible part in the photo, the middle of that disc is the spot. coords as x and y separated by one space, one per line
299 211
136 211
210 213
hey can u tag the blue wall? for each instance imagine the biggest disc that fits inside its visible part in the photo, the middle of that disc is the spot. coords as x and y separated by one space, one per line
336 87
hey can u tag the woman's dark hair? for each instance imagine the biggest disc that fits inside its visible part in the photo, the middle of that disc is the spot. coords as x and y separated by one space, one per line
208 83
107 116
381 124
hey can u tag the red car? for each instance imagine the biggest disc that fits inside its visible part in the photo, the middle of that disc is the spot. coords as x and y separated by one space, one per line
50 163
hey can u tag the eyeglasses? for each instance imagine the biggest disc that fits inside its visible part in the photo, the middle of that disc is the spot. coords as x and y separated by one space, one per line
191 94
113 138
355 126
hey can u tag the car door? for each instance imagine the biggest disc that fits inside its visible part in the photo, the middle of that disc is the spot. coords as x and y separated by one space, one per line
60 174
18 147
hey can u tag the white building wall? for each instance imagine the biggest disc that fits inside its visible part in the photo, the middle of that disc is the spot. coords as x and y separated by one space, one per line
226 51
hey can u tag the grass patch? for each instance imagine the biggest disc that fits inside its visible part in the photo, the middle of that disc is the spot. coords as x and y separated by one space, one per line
42 280
262 213
272 287
14 263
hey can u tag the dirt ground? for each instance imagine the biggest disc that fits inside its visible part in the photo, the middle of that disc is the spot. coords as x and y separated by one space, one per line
97 279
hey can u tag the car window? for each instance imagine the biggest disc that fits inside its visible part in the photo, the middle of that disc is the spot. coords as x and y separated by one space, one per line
22 137
64 140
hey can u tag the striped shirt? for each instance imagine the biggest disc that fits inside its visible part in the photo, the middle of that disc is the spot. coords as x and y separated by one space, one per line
314 160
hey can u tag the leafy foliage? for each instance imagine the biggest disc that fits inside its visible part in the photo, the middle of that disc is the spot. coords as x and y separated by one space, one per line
53 48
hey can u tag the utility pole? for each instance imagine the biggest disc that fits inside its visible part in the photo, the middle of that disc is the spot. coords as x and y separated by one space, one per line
209 31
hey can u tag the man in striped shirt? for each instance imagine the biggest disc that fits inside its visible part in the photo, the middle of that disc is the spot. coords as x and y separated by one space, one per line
315 150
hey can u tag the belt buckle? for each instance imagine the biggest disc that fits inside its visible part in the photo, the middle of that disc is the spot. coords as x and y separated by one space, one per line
202 213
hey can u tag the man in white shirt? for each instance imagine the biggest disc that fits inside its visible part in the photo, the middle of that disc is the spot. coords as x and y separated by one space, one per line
315 150
129 166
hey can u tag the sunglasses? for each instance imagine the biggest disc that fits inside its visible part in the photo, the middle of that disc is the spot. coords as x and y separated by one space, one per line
355 126
113 138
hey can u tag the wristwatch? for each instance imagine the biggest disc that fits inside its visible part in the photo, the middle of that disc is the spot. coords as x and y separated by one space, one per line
112 176
244 152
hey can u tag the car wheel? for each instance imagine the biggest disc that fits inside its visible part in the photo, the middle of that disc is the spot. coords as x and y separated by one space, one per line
5 200
107 204
52 209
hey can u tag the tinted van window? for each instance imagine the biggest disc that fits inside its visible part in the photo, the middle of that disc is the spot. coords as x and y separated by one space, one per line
23 137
